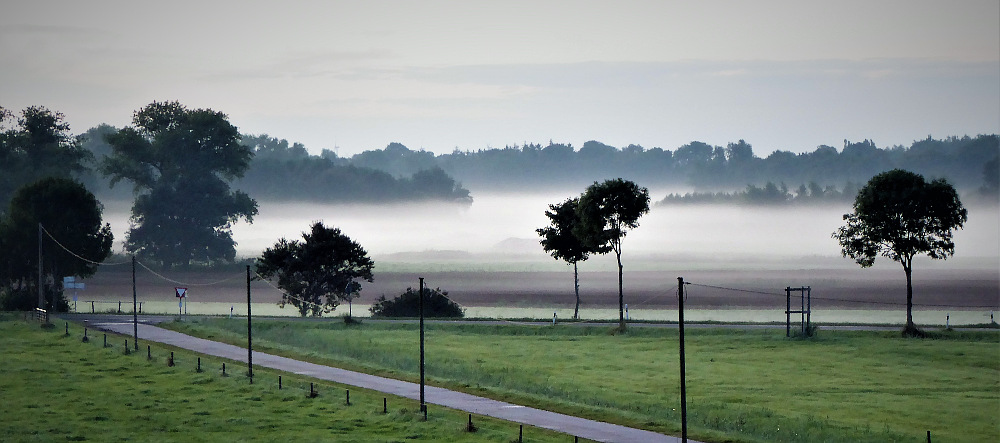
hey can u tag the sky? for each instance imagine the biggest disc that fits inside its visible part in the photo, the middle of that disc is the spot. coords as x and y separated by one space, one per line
351 76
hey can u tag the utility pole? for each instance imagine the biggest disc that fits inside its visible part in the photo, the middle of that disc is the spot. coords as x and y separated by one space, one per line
423 405
41 289
249 332
680 328
135 311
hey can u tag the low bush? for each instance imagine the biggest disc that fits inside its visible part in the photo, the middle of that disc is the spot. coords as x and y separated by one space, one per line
407 304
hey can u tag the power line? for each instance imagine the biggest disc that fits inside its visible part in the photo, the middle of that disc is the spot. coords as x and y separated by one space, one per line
75 254
872 302
183 283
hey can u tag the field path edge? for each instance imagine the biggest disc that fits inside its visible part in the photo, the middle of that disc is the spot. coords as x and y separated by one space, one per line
576 426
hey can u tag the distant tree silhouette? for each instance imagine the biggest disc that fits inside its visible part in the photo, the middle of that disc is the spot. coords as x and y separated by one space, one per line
607 211
899 215
560 240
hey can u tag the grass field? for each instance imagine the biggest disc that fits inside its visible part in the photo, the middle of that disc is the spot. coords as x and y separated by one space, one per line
54 387
743 385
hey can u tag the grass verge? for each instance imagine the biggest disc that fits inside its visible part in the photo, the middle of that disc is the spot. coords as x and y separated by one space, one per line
54 387
743 385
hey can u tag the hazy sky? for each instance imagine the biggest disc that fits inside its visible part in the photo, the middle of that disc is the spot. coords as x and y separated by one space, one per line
438 75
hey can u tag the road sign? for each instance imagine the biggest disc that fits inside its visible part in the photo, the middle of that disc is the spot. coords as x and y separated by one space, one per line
180 292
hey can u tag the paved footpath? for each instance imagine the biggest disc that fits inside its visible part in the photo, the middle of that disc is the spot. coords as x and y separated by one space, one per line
580 427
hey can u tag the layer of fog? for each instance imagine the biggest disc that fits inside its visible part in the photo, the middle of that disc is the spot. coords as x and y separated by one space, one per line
502 226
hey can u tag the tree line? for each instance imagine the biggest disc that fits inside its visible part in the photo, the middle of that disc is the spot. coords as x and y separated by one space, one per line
970 163
769 194
287 171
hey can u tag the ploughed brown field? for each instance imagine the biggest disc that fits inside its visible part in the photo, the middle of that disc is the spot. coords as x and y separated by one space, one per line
842 288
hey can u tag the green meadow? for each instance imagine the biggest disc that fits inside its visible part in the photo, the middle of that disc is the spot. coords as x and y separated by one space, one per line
742 385
55 387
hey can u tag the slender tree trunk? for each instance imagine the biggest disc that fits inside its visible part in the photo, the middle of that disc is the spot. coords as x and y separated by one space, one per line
621 297
908 269
576 285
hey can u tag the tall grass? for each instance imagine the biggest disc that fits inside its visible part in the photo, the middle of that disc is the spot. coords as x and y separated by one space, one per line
743 385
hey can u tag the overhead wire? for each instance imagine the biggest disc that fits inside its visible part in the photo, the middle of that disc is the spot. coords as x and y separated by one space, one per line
74 254
163 277
873 302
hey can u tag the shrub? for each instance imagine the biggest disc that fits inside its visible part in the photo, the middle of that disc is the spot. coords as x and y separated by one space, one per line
407 304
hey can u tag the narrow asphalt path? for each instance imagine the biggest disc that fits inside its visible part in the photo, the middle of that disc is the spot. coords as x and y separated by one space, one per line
580 427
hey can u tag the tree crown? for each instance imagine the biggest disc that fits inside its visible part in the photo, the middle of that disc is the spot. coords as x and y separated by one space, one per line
608 210
899 215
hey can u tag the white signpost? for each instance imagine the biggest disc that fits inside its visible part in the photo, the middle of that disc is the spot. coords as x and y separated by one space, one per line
181 294
71 283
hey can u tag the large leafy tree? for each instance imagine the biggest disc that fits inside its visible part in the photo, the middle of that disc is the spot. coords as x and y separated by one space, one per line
607 211
74 240
561 242
899 215
318 272
34 145
181 162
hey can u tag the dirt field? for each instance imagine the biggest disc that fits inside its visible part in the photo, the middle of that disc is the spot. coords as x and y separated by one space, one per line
842 288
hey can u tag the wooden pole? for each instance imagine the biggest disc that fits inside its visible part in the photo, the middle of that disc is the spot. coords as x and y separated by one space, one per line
135 310
249 332
809 308
788 311
41 292
423 405
680 329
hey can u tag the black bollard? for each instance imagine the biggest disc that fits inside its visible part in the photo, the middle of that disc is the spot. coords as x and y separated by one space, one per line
149 353
67 329
85 339
171 361
105 340
348 402
520 434
199 365
126 347
223 369
279 382
385 405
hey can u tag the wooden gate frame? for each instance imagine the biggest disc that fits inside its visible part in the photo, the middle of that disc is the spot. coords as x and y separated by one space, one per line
805 295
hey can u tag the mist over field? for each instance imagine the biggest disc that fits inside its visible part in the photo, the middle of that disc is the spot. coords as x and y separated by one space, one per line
499 227
487 255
